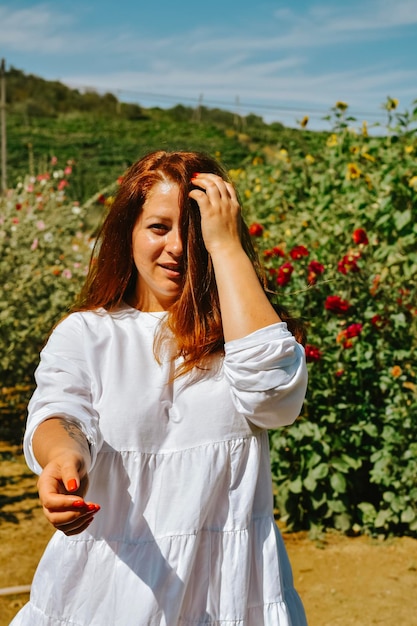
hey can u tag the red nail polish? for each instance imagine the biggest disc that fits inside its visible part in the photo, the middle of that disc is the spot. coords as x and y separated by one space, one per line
79 504
72 485
93 507
194 175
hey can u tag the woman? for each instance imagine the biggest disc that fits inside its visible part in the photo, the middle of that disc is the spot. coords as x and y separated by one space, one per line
154 397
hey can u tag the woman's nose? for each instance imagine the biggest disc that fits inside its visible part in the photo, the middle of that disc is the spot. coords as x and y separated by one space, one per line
174 242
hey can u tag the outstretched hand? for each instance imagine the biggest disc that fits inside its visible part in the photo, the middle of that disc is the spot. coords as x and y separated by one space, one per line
219 209
62 486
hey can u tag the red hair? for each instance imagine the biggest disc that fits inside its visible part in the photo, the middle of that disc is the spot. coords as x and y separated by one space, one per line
194 319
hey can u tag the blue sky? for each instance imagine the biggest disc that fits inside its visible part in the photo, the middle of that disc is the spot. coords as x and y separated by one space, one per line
279 59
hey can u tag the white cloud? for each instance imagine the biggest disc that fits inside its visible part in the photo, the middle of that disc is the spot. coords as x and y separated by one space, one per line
33 29
255 85
325 23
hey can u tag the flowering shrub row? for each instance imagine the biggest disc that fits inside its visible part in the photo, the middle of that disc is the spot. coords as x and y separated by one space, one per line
338 233
44 253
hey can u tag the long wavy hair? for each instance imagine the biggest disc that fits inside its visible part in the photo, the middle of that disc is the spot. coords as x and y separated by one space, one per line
194 320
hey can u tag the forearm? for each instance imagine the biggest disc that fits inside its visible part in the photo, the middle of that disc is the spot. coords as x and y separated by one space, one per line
62 450
57 436
244 305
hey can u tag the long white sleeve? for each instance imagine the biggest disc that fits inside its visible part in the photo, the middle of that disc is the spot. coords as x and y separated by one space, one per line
268 376
63 388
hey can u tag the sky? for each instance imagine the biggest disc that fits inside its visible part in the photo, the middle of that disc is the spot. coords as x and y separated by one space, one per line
281 59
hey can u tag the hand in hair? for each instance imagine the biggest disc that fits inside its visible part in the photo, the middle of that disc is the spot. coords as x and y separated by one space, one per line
244 305
219 209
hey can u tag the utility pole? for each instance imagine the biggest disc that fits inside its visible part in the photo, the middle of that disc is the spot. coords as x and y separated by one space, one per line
3 186
236 117
197 112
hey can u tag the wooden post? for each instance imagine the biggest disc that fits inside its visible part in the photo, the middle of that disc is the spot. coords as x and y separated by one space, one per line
3 186
236 117
197 112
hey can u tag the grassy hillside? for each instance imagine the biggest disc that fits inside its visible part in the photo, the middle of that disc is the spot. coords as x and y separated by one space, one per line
103 136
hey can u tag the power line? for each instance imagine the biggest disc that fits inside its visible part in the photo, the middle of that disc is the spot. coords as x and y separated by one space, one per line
229 105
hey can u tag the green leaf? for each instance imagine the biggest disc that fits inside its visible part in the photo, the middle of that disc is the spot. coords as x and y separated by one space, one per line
402 218
338 482
320 471
343 522
408 515
382 518
310 483
296 486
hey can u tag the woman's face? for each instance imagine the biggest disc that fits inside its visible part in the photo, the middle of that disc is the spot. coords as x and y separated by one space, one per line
157 249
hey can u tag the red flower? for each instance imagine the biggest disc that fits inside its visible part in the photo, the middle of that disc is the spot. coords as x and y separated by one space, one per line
378 321
345 336
298 252
315 269
18 206
359 236
284 274
349 263
336 304
278 251
404 294
313 353
256 229
354 330
275 251
101 199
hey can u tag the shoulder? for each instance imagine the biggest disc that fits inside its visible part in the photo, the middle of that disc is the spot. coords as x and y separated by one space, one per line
97 317
75 328
75 322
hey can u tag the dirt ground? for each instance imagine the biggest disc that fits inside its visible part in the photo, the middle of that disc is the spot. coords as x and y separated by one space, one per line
342 581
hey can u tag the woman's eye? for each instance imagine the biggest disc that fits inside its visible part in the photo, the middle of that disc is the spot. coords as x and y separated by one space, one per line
159 228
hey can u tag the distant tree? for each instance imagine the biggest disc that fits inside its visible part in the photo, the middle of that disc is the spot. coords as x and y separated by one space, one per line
181 113
131 111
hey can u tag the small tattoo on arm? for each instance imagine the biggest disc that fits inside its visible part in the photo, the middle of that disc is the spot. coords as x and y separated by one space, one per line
74 432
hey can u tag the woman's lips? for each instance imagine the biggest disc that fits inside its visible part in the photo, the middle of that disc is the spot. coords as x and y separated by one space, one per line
172 268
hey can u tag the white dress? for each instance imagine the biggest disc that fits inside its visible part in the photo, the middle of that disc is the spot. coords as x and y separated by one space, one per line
186 534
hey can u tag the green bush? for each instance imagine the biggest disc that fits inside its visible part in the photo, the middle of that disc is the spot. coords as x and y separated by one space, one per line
44 253
338 231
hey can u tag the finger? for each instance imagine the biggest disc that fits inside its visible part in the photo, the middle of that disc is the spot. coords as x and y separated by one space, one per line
71 520
51 483
58 502
73 528
75 515
200 197
232 192
71 477
211 183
